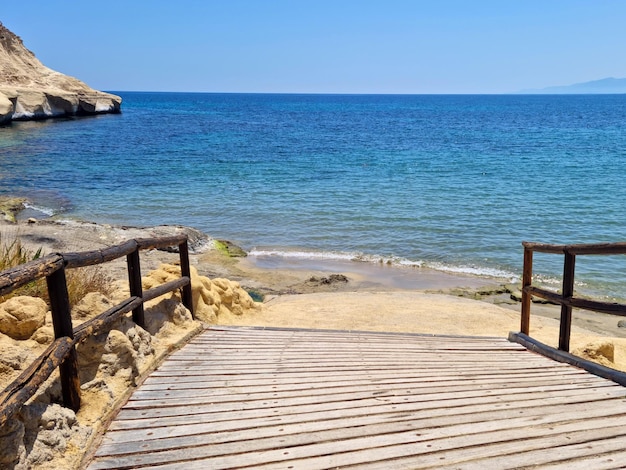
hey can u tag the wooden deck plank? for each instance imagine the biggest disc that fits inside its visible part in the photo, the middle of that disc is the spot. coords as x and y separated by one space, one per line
338 398
258 385
263 398
563 453
607 453
120 439
231 393
365 406
252 419
298 382
217 376
429 449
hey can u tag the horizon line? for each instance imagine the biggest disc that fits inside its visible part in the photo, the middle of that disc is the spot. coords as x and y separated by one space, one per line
363 94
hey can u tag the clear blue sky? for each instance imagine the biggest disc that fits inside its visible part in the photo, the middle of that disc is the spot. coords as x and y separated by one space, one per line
325 46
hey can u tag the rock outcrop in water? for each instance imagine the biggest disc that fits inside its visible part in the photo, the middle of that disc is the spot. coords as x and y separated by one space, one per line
30 90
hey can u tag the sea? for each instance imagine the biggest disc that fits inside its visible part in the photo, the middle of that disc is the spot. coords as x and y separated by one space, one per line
453 183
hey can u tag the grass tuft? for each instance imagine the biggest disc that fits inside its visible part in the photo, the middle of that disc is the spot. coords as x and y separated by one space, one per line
13 253
80 281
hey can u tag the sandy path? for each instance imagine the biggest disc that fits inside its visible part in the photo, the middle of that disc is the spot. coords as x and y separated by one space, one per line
415 312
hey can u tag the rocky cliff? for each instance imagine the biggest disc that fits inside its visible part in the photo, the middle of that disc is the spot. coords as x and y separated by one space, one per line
30 90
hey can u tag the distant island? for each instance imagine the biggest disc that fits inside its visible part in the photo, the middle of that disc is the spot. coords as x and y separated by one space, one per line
603 86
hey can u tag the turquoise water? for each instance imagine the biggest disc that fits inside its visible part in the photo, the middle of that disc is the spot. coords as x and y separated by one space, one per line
450 182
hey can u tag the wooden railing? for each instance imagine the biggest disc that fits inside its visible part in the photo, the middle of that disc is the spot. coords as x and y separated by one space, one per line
62 351
566 298
567 301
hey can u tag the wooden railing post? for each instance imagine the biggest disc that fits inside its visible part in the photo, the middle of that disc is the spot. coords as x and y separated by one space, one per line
62 324
527 280
62 353
566 307
185 271
134 281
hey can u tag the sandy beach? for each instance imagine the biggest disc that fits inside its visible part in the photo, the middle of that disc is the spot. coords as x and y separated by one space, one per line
341 295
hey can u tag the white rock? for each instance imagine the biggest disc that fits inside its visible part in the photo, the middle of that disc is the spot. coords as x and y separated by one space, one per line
6 108
30 90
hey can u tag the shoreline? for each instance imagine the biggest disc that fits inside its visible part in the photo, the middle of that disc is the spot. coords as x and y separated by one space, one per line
398 271
271 276
55 233
386 270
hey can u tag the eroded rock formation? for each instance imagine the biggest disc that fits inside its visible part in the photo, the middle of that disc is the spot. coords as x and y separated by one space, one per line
44 435
212 298
30 90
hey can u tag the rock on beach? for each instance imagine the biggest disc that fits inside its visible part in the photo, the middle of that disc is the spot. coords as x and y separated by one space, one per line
21 316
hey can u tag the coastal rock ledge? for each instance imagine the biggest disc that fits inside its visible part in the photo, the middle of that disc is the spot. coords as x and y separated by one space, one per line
30 90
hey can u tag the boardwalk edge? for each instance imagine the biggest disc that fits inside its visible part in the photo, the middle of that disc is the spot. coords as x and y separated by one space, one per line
568 358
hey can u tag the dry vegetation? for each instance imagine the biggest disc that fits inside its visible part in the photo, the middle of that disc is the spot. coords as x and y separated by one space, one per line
80 281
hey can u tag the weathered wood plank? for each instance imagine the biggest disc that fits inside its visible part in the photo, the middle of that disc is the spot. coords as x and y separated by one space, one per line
463 357
338 367
90 258
403 388
170 242
259 403
252 418
250 344
466 355
609 453
567 358
296 378
378 376
264 402
425 363
576 448
365 405
384 341
533 363
382 375
213 386
612 456
454 443
121 441
18 276
319 443
165 288
103 321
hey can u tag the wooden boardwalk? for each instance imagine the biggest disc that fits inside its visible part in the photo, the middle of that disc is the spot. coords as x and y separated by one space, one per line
302 399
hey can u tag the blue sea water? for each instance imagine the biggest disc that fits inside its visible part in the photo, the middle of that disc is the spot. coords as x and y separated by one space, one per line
452 182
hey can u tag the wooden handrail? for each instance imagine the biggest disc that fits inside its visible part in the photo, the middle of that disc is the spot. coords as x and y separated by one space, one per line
612 308
566 298
563 356
90 258
617 248
62 352
14 278
105 319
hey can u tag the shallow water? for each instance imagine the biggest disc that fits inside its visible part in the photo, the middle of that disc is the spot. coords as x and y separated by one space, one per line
453 183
